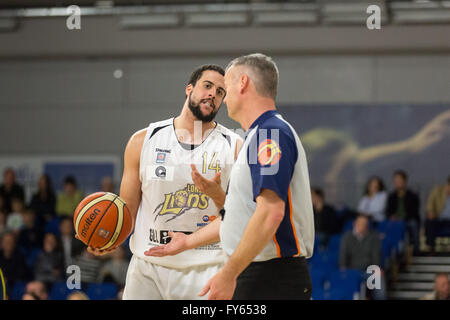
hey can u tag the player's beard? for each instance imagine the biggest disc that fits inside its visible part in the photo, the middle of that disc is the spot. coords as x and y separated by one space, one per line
197 112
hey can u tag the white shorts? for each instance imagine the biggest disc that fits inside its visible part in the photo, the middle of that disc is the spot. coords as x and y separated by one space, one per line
148 281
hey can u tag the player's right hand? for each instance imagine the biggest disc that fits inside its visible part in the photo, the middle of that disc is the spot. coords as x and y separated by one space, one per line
97 252
177 244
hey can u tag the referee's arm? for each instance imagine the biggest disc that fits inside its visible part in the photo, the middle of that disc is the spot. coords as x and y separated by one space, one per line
259 231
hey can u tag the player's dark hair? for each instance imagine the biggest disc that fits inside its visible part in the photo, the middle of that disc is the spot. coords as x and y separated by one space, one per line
318 191
197 73
401 173
381 186
448 179
70 180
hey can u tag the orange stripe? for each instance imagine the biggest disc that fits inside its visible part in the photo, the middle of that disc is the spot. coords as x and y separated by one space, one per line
278 246
292 222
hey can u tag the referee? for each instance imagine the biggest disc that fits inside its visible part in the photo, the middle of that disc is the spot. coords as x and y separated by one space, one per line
267 227
267 230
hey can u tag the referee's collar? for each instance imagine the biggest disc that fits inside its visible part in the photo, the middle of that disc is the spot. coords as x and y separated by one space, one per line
266 115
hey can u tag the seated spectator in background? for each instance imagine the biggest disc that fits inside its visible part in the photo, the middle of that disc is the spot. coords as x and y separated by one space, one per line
115 270
2 204
120 293
71 247
2 222
37 290
29 296
12 261
107 184
31 235
326 222
44 200
15 218
373 203
403 204
438 213
10 189
49 264
90 266
68 200
77 295
361 248
441 288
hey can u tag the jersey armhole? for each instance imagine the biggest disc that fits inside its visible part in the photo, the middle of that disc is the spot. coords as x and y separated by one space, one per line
150 129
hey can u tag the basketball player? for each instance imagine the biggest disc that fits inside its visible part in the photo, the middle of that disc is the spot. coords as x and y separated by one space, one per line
267 230
161 164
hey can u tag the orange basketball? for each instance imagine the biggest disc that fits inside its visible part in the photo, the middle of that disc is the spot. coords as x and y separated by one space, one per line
102 220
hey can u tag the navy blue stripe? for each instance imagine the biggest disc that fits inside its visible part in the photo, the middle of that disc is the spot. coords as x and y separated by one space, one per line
285 235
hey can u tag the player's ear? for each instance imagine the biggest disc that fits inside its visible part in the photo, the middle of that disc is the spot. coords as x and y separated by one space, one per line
189 88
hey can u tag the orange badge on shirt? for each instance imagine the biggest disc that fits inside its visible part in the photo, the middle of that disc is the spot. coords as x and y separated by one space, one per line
268 153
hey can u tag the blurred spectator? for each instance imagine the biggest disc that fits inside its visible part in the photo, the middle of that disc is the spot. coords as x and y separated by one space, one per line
2 204
77 295
69 199
107 184
29 296
37 290
441 288
14 221
10 189
361 248
44 200
403 204
373 203
120 293
89 266
2 222
115 270
12 262
49 264
438 213
31 235
71 247
326 222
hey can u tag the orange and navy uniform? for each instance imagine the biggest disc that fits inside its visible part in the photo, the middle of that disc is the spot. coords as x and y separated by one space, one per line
273 158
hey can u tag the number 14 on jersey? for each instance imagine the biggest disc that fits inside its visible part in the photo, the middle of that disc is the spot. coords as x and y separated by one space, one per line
213 164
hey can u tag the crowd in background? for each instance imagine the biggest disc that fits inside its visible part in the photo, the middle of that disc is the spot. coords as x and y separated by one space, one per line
38 239
38 243
360 246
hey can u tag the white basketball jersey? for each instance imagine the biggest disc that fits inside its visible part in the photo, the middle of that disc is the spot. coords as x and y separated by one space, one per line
170 199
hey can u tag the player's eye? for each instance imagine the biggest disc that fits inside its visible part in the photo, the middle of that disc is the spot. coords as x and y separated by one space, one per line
207 86
220 93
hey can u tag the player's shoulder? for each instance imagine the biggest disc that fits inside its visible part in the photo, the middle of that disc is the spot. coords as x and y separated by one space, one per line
162 123
158 126
137 139
225 131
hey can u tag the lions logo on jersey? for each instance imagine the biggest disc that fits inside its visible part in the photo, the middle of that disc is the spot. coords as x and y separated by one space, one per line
177 203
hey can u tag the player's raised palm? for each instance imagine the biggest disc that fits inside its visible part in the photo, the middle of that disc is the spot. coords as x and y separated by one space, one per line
212 188
175 246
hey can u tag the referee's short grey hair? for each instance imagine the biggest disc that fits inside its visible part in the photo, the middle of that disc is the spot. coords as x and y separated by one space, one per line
263 73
